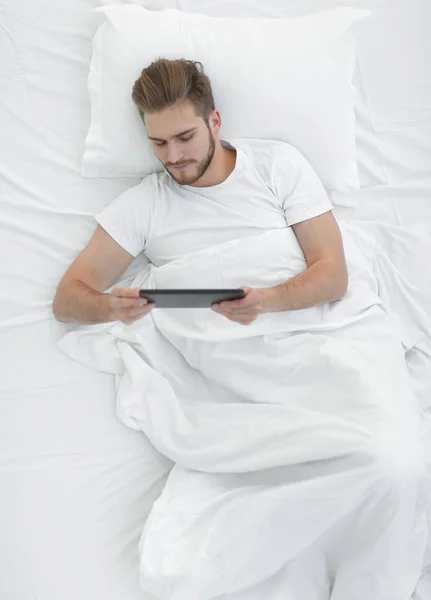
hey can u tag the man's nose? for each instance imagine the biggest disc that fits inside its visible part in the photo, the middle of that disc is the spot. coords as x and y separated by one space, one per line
174 153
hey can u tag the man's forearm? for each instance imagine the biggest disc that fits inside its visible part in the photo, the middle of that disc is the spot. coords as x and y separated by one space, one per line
78 303
321 283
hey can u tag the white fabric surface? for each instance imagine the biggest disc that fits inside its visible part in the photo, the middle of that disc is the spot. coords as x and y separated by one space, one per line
311 59
279 430
75 484
393 53
271 185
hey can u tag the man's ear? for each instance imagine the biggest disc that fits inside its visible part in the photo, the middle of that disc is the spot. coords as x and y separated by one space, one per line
215 121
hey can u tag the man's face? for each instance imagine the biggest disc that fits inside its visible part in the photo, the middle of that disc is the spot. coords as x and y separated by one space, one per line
182 141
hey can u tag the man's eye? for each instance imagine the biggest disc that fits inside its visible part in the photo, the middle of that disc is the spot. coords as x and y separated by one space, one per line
186 139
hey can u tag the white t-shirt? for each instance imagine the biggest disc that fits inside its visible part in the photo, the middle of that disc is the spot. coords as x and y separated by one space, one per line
271 186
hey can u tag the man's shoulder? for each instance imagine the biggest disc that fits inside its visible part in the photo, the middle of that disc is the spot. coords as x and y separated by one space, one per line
151 184
153 180
140 194
161 183
263 150
274 160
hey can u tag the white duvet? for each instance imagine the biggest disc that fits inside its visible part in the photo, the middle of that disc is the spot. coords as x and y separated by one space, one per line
299 445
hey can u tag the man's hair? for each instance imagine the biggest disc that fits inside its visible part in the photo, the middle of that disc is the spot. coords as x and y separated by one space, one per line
164 83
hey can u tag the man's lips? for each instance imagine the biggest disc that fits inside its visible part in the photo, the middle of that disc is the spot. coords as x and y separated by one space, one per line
180 167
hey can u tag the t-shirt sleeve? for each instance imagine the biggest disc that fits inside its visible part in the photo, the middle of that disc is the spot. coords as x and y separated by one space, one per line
298 187
128 218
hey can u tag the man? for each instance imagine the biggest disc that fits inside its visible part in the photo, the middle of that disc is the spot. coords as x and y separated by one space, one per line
322 394
176 103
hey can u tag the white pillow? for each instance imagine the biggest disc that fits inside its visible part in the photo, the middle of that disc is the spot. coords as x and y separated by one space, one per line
282 79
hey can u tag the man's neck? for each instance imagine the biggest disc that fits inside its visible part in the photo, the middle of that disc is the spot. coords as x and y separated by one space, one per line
222 165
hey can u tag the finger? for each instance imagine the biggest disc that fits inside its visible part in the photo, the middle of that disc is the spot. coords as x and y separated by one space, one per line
230 304
123 304
244 319
237 310
244 313
243 303
126 292
135 312
132 317
241 321
240 314
126 303
129 293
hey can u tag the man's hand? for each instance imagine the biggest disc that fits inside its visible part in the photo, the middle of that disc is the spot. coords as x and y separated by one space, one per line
126 306
243 311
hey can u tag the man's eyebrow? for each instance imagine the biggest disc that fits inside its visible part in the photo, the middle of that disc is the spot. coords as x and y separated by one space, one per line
175 136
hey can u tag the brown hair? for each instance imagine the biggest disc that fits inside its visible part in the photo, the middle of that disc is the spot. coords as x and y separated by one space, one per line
165 82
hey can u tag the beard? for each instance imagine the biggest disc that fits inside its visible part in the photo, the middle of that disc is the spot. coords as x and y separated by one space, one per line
201 167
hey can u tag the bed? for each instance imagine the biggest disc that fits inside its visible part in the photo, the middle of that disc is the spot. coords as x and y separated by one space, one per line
76 485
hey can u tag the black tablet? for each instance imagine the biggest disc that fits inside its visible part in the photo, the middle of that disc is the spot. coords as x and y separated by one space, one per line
190 298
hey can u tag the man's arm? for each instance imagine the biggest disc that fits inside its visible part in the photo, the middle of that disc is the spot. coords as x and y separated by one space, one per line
79 296
325 278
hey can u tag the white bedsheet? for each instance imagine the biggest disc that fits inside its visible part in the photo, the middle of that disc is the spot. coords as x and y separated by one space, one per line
75 483
276 429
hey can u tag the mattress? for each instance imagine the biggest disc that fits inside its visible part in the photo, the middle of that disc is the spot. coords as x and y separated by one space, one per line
76 485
